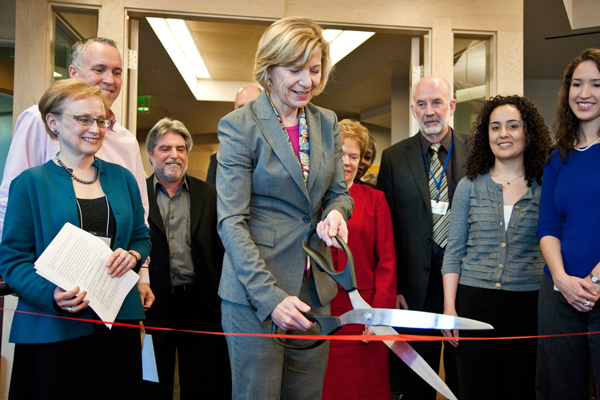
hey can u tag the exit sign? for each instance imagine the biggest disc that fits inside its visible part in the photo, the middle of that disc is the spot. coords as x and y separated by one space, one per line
143 104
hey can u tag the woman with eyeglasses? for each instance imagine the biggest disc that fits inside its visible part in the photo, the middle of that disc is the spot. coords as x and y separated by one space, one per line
69 357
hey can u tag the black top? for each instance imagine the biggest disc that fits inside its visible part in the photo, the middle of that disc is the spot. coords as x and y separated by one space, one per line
95 215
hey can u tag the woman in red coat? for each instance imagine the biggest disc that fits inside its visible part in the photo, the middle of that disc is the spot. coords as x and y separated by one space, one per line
359 370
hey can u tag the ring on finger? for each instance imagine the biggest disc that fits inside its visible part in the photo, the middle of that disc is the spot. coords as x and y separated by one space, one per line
123 258
69 309
586 303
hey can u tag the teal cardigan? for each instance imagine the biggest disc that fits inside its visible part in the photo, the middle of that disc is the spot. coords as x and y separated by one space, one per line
41 200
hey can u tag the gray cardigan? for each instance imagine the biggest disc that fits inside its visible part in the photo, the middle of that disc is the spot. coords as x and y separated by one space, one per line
481 250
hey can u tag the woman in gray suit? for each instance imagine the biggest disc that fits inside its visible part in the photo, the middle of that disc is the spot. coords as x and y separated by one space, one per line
280 173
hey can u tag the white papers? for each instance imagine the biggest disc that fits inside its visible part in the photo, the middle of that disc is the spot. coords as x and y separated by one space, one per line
76 258
149 371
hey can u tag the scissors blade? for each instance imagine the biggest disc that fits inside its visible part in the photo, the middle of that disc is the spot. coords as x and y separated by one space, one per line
414 361
410 319
405 351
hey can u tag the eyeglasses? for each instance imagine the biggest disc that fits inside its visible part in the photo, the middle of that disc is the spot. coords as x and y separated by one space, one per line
87 120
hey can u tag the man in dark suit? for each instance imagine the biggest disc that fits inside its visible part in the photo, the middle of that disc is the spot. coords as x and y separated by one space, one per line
243 96
185 269
418 176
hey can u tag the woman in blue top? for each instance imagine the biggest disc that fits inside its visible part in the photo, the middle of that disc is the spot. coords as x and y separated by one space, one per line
492 264
569 238
70 358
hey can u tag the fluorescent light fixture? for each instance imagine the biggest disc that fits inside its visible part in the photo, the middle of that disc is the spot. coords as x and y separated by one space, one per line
177 41
57 75
331 34
184 38
344 42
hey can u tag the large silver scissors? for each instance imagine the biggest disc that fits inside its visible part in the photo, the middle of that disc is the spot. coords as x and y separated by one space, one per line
380 320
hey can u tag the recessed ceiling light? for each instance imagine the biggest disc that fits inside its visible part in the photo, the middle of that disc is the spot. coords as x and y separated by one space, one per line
344 42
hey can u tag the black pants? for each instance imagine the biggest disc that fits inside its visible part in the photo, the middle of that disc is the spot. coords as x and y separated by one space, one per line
497 369
402 378
563 362
204 371
104 365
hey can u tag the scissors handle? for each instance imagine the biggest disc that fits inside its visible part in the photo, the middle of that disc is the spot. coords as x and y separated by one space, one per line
345 278
328 325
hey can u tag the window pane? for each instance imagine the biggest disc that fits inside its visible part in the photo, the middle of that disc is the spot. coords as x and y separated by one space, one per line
69 27
471 79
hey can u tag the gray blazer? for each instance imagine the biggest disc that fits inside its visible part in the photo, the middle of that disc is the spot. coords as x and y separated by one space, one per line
403 179
264 208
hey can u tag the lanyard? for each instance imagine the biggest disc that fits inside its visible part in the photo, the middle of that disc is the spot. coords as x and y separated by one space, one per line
438 184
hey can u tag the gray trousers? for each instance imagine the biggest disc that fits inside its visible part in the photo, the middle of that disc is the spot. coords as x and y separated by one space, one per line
260 368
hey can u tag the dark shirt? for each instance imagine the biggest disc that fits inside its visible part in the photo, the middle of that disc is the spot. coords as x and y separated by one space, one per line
175 211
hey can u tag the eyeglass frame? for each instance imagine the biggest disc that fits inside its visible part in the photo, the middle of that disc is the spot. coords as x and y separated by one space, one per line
76 118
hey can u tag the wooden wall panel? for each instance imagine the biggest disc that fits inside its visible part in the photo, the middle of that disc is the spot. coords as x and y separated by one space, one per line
31 54
249 8
510 63
442 49
111 24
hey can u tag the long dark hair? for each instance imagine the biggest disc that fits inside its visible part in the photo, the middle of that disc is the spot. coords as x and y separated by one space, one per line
537 139
566 125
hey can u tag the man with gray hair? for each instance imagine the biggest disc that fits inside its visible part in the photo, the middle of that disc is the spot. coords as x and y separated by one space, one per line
418 176
97 62
187 257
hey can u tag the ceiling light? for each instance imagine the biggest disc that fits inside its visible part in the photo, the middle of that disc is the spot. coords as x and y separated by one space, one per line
177 41
184 38
165 35
344 42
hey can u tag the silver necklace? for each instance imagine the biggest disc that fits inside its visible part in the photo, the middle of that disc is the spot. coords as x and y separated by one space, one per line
70 171
588 146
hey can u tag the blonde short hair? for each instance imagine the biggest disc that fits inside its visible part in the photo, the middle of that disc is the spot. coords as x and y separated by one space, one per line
350 129
54 99
291 41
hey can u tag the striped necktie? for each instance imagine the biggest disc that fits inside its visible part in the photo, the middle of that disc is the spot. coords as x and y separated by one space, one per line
440 222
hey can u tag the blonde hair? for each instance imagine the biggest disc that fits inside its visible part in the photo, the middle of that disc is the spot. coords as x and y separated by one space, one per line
54 99
350 129
291 41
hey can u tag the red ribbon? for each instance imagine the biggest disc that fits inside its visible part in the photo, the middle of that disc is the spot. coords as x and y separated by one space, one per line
372 338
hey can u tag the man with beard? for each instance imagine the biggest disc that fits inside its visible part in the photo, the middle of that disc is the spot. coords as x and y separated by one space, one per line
418 176
187 257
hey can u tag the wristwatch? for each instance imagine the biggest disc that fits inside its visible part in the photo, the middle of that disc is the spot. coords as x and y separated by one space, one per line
595 279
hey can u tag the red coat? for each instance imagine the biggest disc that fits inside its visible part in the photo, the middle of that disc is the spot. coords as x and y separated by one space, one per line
356 370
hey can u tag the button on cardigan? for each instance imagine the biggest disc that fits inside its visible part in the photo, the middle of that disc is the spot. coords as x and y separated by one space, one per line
481 250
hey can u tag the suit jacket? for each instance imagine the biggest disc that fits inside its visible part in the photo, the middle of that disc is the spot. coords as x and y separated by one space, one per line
265 208
207 254
211 174
403 179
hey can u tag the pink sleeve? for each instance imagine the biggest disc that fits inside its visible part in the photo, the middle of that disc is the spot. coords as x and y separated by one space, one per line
31 146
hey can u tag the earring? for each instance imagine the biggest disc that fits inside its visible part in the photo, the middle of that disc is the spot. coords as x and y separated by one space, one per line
55 131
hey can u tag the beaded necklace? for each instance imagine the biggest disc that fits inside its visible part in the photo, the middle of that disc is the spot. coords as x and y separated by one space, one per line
588 146
303 142
70 171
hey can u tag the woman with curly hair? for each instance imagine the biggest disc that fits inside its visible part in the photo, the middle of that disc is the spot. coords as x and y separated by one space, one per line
492 265
569 237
